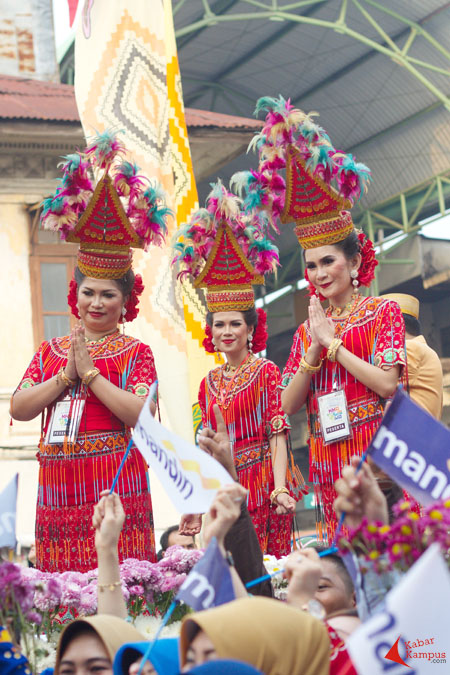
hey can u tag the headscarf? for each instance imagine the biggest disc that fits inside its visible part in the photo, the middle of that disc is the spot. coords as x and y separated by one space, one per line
163 656
224 667
111 630
273 637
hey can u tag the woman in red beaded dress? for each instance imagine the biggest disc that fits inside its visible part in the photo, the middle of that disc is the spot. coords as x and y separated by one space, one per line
345 361
90 386
232 255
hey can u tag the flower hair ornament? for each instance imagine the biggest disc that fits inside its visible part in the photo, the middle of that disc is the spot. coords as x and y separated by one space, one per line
131 306
122 211
321 183
259 337
226 252
366 272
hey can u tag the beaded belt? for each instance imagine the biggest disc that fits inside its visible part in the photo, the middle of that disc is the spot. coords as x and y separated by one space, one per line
87 445
248 456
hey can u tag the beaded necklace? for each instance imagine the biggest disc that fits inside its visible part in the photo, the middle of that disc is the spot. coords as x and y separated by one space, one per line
337 311
95 346
224 390
350 306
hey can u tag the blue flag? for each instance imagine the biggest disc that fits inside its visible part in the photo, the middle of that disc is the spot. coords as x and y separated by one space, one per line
8 500
209 583
413 449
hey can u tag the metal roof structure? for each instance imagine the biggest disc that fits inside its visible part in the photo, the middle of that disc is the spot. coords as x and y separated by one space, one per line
377 72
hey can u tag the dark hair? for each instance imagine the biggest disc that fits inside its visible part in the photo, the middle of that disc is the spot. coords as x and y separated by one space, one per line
125 283
349 246
164 541
76 629
250 317
341 569
412 325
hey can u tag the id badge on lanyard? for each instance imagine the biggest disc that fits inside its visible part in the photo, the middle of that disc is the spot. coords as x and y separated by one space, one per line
333 415
65 421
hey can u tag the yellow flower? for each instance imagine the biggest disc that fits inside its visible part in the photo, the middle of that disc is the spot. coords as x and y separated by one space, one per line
413 515
384 529
447 504
406 529
372 528
406 548
436 515
373 555
405 506
396 549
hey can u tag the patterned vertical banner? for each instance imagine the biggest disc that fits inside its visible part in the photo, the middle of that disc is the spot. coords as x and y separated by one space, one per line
186 201
127 78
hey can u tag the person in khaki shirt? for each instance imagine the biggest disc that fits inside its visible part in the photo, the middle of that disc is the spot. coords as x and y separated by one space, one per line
425 376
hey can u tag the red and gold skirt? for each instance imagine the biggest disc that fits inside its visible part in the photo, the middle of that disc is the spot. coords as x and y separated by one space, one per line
70 483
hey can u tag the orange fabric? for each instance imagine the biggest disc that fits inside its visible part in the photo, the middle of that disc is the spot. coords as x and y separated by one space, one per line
425 377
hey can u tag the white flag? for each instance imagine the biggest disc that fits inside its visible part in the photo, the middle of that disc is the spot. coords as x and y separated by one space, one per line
190 476
412 634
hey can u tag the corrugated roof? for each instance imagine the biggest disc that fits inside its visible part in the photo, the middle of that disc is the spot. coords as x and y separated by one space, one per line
206 118
34 100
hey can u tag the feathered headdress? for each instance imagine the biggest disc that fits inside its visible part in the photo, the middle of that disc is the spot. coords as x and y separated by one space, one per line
225 251
123 211
321 182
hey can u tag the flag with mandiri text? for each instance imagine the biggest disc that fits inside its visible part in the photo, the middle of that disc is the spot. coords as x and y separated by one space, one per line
209 583
413 448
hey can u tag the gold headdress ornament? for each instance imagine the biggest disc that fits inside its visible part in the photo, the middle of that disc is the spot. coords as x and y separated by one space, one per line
290 140
225 252
121 213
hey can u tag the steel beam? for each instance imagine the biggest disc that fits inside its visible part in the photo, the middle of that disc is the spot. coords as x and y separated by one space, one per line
283 12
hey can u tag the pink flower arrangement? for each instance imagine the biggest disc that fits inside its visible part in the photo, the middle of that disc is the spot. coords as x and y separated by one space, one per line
34 602
396 547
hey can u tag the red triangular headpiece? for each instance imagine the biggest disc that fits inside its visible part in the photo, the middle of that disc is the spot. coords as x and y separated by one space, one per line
228 275
105 235
310 202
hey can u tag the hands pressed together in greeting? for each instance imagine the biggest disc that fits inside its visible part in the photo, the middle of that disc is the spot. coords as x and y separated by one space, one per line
321 327
79 361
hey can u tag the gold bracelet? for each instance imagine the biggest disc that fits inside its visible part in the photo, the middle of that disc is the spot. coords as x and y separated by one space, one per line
278 491
89 376
62 377
109 587
306 367
332 349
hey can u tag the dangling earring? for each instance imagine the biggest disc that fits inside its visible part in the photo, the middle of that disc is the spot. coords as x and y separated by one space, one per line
355 282
250 342
124 313
215 346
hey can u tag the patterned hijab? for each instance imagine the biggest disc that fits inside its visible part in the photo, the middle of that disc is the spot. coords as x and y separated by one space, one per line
273 637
